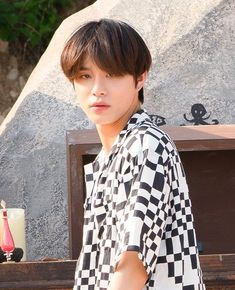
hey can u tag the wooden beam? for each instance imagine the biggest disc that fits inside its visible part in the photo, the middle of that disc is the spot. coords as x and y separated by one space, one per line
218 273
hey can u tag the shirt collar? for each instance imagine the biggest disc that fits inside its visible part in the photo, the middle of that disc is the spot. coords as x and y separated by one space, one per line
139 117
135 120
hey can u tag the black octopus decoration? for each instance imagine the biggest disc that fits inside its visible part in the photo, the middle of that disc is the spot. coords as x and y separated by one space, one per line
200 114
158 120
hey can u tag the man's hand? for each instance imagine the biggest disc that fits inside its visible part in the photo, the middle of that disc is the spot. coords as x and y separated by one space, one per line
130 273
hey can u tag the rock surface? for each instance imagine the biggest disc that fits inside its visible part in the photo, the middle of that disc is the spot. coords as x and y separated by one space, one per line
12 78
192 44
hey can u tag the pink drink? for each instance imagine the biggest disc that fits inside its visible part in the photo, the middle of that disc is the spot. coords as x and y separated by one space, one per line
7 239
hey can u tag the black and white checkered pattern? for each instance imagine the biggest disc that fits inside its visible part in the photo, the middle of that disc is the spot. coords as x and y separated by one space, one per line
137 200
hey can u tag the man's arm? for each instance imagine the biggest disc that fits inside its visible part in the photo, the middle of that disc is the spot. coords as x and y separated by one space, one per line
130 273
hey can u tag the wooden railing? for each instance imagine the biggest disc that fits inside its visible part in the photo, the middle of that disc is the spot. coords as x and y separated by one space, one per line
218 272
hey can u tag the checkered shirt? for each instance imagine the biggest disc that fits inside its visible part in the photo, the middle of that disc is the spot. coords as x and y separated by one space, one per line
137 200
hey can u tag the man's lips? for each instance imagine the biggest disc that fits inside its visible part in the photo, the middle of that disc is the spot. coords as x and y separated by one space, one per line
99 105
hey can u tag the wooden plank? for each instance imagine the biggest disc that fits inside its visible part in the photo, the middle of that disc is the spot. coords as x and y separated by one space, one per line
186 138
48 271
75 177
75 213
210 176
37 275
218 272
37 285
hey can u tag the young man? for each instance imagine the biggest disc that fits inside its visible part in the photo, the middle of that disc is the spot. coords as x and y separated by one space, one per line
138 226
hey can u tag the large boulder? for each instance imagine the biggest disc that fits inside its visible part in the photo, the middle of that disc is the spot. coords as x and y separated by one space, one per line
192 44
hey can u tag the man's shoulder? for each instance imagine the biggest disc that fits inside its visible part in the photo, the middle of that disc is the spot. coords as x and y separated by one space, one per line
148 136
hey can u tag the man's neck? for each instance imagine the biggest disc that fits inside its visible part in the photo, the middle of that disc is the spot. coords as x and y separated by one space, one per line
107 137
108 133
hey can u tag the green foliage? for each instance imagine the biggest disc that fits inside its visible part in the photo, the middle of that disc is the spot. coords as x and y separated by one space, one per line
30 22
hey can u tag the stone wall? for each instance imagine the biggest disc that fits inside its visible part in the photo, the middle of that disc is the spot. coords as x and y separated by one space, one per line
191 82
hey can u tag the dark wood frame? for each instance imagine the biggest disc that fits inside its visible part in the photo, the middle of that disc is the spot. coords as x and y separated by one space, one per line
38 275
218 272
86 143
89 143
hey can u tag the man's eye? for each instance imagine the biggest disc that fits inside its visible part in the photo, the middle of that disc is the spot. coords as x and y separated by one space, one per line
110 75
85 76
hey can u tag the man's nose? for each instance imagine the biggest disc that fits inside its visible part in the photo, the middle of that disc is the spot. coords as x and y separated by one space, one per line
99 88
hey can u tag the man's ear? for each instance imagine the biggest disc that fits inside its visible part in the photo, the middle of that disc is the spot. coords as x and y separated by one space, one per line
141 80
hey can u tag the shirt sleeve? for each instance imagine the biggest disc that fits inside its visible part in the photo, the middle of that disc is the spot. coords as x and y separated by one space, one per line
141 217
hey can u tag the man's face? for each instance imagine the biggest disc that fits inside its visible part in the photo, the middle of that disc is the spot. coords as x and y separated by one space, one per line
106 99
